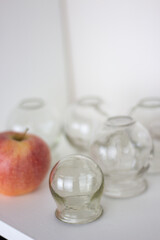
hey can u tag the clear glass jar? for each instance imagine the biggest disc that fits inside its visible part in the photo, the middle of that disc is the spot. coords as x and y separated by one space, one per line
81 120
76 184
147 111
122 149
34 114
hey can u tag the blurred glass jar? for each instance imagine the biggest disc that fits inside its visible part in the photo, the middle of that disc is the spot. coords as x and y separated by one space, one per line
76 184
81 120
122 149
147 111
33 113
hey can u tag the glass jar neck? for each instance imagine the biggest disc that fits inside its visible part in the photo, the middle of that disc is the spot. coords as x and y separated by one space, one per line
151 102
120 121
95 103
90 101
32 104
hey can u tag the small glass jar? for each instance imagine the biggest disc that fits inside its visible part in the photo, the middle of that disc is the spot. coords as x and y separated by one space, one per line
147 111
34 115
76 184
81 120
122 149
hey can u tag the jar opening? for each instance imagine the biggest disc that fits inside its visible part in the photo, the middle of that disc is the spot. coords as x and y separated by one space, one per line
74 158
32 103
90 101
120 121
150 102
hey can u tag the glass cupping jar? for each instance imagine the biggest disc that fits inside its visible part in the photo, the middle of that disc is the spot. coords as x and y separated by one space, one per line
33 114
81 120
147 111
76 184
122 148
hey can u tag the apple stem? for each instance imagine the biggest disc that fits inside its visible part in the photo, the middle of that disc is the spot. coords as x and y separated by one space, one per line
25 132
20 137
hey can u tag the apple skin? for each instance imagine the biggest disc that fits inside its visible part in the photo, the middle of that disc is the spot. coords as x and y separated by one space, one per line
24 162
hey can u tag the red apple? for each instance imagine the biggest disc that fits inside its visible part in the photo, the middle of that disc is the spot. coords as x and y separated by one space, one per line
24 162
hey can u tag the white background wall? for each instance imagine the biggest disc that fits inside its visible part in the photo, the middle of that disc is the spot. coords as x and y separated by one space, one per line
31 54
115 50
112 51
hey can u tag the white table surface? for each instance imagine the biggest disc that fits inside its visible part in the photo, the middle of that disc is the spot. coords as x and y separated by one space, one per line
135 218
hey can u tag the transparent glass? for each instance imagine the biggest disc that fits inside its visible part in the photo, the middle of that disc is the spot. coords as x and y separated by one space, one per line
33 113
76 184
81 120
147 111
122 149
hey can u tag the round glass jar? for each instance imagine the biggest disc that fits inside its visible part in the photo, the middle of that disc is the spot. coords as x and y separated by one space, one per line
76 184
34 115
147 111
81 120
122 149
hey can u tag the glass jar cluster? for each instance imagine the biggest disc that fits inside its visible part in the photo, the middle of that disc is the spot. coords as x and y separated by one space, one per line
120 152
120 156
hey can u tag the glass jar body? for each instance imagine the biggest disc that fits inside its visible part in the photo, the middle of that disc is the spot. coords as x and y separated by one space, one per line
81 120
147 111
122 149
76 184
33 114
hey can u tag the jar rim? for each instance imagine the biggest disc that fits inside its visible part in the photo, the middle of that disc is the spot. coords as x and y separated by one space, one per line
90 101
94 102
31 103
72 157
150 102
120 121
